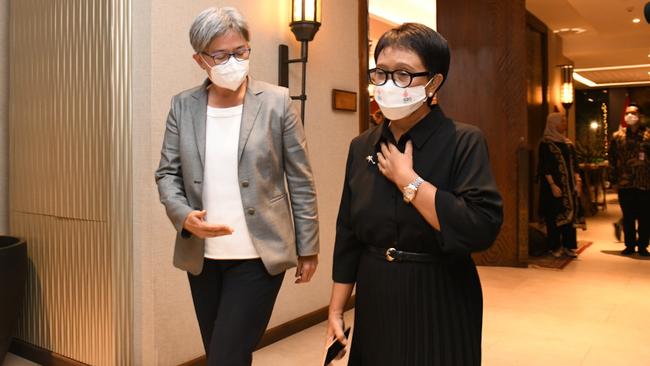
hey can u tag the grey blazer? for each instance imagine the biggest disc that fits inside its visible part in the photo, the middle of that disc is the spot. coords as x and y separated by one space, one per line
272 158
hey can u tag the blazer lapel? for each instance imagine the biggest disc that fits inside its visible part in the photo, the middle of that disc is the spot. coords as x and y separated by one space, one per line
252 104
199 115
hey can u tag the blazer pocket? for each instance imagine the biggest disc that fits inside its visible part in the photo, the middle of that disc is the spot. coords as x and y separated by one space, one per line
277 198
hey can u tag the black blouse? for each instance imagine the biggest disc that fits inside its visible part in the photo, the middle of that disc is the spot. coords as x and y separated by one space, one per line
453 157
549 164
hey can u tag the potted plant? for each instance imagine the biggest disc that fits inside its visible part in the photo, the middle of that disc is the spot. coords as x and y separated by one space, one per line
590 154
13 274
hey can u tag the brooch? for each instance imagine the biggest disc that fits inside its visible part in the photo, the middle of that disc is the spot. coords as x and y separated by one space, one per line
370 159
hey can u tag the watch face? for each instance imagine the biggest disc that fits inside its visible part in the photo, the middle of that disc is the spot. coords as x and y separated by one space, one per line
408 193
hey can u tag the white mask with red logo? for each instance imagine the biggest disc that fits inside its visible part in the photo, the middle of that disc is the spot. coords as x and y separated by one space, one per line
397 103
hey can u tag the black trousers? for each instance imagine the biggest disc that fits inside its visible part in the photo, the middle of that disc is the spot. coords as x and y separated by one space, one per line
233 300
560 236
635 204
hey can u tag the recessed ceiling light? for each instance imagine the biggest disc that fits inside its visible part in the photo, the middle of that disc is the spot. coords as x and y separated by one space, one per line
564 31
636 20
622 67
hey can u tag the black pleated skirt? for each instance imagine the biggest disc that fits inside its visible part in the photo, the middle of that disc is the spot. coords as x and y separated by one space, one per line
417 314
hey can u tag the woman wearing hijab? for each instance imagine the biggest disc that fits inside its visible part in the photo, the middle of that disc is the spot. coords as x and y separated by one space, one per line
560 187
418 197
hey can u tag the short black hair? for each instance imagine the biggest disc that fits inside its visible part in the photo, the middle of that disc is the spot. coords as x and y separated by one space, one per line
432 48
633 104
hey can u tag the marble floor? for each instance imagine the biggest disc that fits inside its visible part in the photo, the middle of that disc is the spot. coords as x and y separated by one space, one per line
592 313
13 360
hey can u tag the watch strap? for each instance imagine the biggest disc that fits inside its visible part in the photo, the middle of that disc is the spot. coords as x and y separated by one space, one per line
416 183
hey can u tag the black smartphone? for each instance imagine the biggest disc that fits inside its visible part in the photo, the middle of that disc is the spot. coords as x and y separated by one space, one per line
335 348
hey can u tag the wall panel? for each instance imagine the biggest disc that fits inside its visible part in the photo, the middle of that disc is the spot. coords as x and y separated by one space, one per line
486 87
4 114
70 173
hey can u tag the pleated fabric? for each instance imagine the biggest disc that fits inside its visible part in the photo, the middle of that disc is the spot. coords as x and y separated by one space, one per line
416 314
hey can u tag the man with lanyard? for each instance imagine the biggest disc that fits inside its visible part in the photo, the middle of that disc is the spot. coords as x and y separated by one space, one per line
630 173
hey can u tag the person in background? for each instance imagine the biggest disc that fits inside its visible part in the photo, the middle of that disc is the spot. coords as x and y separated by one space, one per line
418 198
560 187
630 175
235 179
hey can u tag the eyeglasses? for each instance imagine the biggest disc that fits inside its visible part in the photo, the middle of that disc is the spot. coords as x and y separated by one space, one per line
401 78
221 57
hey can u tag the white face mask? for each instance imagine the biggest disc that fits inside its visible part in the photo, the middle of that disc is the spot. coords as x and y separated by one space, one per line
397 103
631 119
229 75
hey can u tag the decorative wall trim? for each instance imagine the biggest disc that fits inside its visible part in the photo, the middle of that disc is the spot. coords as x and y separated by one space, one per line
39 355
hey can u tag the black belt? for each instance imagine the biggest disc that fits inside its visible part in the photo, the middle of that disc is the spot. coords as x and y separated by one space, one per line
394 255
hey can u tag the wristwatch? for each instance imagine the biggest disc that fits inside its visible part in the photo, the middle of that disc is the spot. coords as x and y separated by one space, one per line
408 192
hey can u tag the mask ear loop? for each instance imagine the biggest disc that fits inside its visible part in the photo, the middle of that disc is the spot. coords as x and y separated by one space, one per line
431 94
208 70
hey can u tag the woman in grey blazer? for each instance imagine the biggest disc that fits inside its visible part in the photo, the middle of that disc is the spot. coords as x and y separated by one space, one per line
234 156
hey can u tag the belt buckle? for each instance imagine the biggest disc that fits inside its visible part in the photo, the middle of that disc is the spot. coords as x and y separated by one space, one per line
389 253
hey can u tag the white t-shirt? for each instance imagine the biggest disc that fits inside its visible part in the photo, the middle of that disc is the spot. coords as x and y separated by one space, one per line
221 195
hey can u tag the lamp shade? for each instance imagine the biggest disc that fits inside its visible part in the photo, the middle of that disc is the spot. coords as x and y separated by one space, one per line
306 11
566 93
305 19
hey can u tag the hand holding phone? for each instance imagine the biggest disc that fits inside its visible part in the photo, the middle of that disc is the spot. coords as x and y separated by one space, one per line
335 348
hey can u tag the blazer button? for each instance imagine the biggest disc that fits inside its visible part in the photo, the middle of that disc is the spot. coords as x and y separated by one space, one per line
251 211
244 184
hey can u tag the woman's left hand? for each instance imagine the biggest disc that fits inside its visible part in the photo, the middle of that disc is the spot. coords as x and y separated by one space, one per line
306 268
397 166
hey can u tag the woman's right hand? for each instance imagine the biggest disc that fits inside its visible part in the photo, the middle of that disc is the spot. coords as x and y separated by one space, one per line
195 223
335 328
556 191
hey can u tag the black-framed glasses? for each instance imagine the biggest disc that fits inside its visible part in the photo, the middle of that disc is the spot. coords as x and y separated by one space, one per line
401 78
221 57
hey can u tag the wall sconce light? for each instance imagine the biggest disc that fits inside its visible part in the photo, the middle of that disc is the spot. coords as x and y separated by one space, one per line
566 94
305 22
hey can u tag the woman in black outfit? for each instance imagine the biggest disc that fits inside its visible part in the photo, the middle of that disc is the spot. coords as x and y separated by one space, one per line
418 198
559 188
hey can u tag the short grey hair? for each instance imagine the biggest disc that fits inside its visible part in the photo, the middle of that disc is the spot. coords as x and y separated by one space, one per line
215 22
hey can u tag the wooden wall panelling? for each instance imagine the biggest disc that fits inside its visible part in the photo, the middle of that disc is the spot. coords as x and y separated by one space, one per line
486 87
364 97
